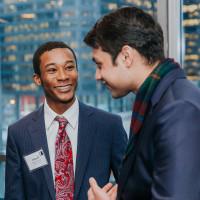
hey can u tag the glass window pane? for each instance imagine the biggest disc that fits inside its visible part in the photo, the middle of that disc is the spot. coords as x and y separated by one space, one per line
191 29
24 25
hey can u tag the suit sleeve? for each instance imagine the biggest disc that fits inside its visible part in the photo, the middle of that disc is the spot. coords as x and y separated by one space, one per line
14 188
176 174
119 143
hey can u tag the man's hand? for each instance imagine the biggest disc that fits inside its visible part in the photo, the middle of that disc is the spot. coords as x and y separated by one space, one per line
108 192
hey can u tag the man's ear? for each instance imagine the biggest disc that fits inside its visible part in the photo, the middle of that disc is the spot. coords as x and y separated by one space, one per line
127 55
37 79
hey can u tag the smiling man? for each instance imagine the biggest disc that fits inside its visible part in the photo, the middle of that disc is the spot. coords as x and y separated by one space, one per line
52 152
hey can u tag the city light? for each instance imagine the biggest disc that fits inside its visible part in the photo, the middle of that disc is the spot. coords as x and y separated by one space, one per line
12 101
28 15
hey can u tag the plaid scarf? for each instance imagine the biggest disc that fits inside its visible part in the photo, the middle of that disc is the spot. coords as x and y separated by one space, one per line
144 94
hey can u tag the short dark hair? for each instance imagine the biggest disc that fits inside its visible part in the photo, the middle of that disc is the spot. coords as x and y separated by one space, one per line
48 46
128 26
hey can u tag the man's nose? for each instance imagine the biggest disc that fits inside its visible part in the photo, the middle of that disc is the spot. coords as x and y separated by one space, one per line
62 74
98 75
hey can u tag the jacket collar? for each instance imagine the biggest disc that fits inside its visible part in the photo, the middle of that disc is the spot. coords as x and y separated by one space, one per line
165 83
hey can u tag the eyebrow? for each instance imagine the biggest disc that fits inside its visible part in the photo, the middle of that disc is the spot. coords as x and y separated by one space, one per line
68 61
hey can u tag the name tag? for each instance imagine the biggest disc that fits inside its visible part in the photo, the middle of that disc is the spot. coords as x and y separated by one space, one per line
36 160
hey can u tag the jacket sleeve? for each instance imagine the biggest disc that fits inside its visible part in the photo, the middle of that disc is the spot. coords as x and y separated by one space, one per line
176 174
119 143
14 188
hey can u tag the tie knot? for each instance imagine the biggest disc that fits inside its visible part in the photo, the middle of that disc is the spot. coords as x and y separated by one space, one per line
61 120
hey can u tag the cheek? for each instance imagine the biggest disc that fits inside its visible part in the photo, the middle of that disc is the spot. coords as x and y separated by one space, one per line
75 77
116 80
47 83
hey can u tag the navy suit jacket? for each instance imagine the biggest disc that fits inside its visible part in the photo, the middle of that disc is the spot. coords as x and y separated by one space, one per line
101 144
164 163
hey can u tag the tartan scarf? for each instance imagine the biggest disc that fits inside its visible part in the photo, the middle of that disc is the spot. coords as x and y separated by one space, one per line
144 94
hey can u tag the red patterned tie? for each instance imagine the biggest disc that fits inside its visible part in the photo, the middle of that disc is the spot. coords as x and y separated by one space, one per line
64 172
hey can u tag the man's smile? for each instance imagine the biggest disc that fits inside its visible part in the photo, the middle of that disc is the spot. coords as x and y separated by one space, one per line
64 88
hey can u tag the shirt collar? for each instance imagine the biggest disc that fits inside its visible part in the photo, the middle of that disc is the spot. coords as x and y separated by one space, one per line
70 114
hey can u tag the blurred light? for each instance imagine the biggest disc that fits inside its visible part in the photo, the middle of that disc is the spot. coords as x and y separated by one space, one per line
28 15
191 22
12 7
60 3
12 101
112 6
192 57
3 20
190 8
73 45
193 77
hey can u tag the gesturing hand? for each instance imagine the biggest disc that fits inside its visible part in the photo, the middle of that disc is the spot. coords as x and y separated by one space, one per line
108 192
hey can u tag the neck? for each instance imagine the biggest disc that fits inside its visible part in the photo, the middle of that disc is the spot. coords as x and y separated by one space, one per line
60 107
144 72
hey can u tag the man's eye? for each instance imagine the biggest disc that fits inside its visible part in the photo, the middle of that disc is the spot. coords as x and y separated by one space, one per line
70 67
99 66
51 70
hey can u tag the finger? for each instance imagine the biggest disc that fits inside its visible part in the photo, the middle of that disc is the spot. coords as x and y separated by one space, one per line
90 194
94 186
92 182
107 187
113 190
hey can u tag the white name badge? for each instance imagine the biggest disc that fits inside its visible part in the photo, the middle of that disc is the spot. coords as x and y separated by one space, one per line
36 160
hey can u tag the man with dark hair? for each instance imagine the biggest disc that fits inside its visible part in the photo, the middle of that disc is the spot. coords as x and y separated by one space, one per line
52 152
162 159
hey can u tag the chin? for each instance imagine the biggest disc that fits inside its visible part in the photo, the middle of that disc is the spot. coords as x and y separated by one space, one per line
67 99
118 95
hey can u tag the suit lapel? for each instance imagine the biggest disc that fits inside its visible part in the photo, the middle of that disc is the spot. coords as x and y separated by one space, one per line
39 140
165 84
127 164
86 133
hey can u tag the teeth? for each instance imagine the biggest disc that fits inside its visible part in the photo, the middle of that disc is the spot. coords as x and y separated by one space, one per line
64 88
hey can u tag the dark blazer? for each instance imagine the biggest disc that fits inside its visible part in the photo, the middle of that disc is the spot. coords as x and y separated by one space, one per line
101 144
164 163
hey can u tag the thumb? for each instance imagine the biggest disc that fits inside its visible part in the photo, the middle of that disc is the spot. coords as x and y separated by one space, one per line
93 183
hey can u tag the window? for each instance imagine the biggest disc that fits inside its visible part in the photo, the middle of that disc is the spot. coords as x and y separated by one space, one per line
24 25
191 39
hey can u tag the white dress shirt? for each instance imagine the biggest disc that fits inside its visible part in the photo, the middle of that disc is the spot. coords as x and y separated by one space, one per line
51 127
